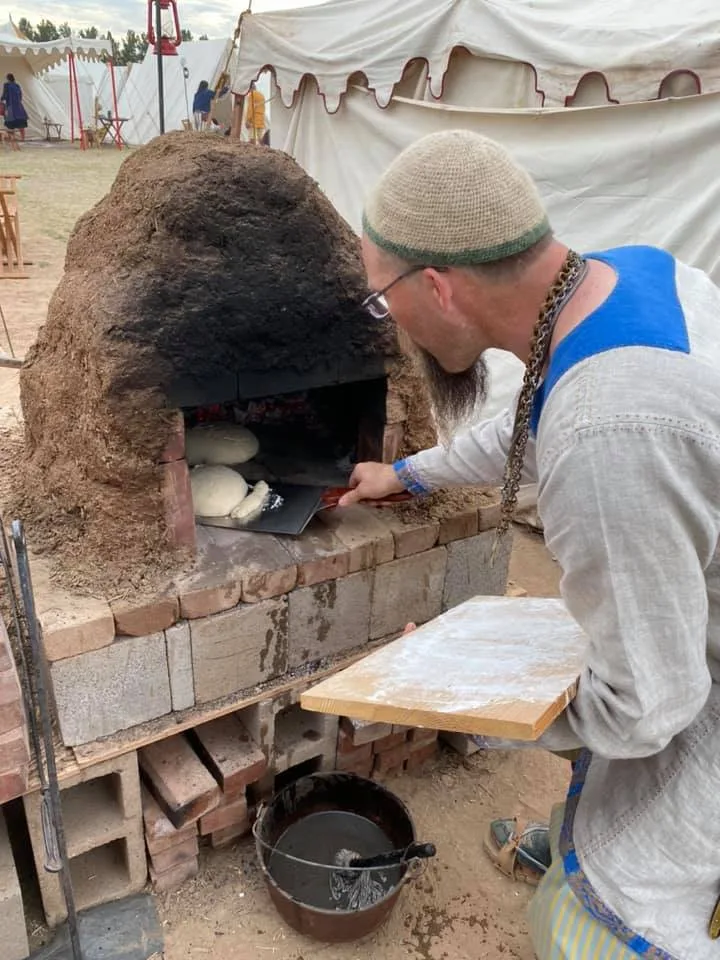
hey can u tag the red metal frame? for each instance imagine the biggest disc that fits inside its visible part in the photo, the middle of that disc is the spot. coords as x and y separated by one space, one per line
164 46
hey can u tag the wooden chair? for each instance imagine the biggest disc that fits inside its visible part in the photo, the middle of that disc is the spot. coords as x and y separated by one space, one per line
13 265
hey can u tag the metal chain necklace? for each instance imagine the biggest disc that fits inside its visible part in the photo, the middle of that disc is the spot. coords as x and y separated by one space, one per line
568 280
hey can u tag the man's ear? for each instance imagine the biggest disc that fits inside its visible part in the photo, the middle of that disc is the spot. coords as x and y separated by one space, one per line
441 287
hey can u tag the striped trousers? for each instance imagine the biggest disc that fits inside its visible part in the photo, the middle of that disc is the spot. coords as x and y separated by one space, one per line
560 927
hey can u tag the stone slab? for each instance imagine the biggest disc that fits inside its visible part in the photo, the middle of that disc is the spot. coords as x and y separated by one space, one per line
469 573
361 529
180 668
409 591
240 648
12 916
329 618
111 689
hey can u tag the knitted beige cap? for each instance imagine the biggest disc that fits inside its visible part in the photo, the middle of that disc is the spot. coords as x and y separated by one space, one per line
455 198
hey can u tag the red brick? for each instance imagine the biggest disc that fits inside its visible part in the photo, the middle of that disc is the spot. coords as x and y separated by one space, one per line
148 618
12 714
390 772
420 737
392 758
172 879
348 748
488 517
230 753
390 742
359 768
6 657
410 538
160 834
349 762
175 856
14 750
421 756
229 815
177 497
392 441
319 555
459 527
223 838
175 447
360 528
183 787
14 784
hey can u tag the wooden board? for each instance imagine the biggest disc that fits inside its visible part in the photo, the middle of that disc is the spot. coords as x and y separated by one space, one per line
494 666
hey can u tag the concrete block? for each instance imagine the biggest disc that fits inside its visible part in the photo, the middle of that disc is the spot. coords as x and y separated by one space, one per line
182 785
410 538
361 529
469 573
175 856
409 591
102 815
259 721
180 668
140 620
319 555
12 916
460 742
459 526
173 879
230 753
111 689
329 618
365 731
238 649
301 736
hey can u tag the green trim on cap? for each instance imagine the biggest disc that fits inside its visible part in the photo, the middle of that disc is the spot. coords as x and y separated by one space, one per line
459 258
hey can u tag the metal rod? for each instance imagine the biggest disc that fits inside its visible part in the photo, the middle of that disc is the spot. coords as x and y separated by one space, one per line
23 568
118 138
158 50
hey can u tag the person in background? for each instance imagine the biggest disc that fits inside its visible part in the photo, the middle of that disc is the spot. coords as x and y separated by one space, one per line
255 115
16 117
202 101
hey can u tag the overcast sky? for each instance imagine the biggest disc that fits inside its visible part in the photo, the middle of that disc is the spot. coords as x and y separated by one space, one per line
216 18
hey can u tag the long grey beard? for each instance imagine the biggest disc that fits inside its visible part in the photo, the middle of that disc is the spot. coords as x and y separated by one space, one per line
455 397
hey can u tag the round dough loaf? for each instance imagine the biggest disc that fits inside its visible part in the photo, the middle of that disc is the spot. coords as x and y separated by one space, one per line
216 490
220 443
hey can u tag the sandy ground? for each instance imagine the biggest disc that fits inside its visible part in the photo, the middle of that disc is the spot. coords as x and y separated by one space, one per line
460 908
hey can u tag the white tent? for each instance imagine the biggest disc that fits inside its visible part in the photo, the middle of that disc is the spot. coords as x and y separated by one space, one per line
27 61
94 83
358 80
204 60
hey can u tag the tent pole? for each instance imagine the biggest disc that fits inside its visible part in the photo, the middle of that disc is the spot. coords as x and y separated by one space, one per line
111 66
72 108
83 144
158 50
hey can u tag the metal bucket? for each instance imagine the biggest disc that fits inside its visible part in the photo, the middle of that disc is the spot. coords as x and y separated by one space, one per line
376 819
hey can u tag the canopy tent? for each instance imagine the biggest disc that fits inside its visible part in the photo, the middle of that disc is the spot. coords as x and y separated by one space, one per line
94 84
204 60
358 80
27 61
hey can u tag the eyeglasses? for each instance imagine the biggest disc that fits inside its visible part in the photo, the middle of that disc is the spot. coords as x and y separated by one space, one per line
376 304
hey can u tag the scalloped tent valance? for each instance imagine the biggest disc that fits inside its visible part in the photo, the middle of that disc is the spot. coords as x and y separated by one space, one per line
41 56
634 47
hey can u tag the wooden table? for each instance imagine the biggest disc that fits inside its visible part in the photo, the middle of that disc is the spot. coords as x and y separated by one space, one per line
111 127
57 127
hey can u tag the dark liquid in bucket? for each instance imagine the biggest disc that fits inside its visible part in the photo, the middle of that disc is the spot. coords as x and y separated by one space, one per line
317 839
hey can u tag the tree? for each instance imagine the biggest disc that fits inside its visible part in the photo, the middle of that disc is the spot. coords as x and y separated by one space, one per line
204 37
186 36
90 33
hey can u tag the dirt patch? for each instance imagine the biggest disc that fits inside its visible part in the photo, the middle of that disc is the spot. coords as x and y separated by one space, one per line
444 504
420 433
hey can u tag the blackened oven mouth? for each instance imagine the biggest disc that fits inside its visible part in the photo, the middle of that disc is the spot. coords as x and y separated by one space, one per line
312 437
